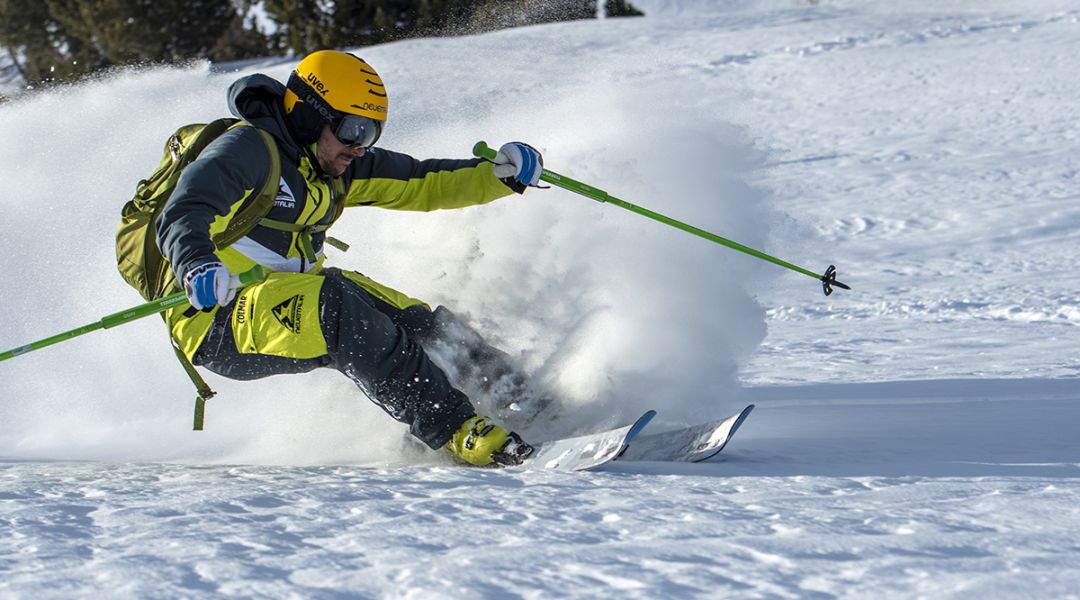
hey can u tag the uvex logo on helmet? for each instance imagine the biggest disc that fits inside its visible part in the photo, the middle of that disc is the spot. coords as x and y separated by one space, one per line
318 85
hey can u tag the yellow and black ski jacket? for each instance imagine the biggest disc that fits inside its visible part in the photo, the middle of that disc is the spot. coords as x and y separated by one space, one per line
232 170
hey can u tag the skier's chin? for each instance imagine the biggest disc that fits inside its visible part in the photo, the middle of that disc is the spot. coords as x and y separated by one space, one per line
336 168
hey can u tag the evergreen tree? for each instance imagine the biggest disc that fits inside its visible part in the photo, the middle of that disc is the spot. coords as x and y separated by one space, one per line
240 40
129 31
384 23
500 14
33 39
621 8
303 25
62 39
426 16
56 40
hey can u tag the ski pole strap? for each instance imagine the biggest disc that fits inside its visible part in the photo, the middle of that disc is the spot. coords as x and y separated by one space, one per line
204 391
828 280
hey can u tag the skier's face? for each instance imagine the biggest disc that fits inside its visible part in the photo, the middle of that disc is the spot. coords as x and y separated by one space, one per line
333 156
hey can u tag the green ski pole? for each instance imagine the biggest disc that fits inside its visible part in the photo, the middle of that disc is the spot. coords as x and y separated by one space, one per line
254 275
828 279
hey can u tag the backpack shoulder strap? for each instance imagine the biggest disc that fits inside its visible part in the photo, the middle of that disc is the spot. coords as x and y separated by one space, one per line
250 215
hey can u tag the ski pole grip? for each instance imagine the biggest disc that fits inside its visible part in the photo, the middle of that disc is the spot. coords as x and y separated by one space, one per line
253 275
482 150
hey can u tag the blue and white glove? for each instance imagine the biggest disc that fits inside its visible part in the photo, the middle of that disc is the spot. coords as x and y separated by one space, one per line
209 284
518 165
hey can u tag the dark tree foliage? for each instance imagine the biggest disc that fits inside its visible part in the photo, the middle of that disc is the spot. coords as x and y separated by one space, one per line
129 31
312 24
59 40
302 24
33 37
621 8
239 42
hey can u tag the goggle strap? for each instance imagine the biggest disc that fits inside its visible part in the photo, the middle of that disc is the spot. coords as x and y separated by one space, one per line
309 96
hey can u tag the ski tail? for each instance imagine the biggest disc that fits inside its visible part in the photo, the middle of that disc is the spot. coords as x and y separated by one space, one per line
695 443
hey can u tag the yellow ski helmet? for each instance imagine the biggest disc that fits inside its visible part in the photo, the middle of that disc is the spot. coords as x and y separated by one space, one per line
330 86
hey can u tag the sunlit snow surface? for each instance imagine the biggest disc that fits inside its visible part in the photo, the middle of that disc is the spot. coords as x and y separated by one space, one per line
916 436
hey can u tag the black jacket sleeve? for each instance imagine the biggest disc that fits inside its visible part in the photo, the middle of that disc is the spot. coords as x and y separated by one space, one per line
229 171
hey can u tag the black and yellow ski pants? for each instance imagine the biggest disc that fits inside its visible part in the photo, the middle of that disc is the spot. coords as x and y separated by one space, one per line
295 322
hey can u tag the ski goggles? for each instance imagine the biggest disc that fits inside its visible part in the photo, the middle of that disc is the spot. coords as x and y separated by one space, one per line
357 131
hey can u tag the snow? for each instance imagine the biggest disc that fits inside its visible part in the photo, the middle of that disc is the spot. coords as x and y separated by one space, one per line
914 437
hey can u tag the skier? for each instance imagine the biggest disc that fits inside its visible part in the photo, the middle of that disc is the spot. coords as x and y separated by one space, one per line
325 123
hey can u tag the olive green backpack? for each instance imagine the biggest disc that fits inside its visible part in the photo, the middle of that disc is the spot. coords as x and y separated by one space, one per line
137 255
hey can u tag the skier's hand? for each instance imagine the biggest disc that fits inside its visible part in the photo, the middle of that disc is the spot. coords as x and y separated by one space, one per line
207 285
518 165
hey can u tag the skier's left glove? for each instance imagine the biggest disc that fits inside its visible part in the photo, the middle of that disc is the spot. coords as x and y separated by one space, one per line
518 165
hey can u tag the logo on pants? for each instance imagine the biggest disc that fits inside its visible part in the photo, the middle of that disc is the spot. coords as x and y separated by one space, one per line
288 313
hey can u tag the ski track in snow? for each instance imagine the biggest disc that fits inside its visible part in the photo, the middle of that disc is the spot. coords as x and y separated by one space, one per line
915 437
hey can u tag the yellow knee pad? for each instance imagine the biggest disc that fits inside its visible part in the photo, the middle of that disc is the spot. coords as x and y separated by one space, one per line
280 317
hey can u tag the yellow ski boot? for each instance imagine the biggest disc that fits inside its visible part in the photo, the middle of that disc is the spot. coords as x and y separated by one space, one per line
481 442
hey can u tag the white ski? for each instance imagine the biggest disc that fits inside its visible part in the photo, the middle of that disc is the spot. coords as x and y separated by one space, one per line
587 452
690 444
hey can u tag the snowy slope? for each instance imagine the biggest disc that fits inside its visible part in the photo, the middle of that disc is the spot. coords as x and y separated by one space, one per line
913 437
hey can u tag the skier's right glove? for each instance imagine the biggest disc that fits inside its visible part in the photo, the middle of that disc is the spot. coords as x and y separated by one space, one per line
518 165
209 285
